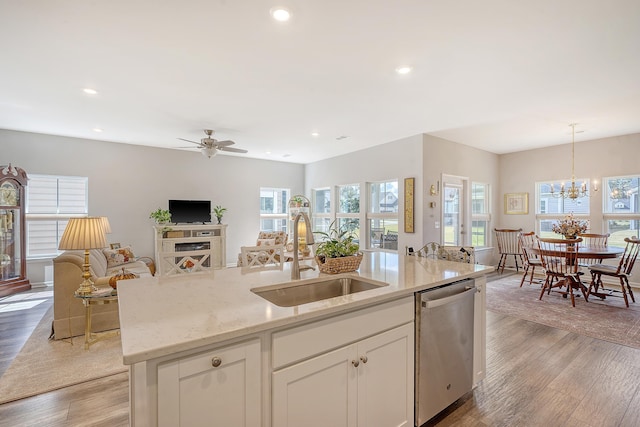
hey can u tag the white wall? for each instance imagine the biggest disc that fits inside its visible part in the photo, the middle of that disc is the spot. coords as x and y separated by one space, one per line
392 161
127 182
443 157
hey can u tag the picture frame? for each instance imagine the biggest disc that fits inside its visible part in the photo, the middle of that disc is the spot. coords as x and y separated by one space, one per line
516 203
409 189
114 245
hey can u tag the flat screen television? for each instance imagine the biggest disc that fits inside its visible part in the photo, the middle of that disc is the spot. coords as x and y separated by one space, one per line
190 211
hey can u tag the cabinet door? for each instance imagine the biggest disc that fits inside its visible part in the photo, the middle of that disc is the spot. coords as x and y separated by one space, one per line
385 379
319 392
216 388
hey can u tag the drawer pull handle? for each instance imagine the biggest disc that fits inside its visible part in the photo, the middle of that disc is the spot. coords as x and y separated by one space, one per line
355 363
364 359
216 361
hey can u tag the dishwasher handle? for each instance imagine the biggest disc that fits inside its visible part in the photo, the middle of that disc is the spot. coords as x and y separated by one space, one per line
442 301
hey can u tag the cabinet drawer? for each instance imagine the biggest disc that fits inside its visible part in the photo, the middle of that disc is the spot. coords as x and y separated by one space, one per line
301 342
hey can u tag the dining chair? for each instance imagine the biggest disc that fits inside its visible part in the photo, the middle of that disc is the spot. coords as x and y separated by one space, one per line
594 240
560 261
508 244
622 272
531 258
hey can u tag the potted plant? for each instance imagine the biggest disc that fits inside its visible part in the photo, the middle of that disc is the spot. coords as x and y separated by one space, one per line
161 216
338 253
219 211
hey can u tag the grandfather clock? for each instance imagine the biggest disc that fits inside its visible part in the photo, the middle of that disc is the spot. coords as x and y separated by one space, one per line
13 264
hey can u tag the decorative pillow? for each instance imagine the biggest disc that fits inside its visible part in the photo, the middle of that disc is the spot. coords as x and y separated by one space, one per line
116 257
266 242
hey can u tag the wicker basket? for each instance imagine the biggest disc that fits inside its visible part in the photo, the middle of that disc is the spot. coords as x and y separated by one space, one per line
339 265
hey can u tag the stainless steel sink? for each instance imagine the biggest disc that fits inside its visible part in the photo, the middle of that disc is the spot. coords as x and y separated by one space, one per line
296 293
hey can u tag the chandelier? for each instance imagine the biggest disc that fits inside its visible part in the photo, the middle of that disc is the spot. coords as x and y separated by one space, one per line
572 192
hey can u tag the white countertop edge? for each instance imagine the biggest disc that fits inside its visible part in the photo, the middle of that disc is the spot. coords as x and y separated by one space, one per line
363 300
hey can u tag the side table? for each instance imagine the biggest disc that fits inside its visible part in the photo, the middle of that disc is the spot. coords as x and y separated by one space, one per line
89 301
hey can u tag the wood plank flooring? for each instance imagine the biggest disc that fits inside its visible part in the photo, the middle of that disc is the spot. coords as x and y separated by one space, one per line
536 376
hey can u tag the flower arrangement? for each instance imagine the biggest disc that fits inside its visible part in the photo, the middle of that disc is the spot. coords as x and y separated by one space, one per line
570 227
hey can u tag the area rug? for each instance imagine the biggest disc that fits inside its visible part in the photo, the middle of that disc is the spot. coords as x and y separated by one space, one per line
608 319
44 365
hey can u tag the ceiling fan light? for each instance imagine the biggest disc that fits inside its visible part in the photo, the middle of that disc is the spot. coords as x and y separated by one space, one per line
208 152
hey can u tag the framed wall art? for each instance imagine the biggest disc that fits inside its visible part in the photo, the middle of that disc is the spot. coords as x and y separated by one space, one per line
516 203
409 189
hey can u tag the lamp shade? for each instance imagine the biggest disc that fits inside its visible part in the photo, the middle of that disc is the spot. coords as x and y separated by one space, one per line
83 233
106 225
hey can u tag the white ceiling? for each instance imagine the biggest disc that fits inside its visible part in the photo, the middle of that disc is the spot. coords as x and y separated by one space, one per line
500 75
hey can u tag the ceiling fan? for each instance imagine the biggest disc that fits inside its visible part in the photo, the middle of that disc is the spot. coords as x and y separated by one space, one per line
209 146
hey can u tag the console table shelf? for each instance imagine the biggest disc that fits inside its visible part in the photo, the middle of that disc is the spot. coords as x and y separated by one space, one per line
189 248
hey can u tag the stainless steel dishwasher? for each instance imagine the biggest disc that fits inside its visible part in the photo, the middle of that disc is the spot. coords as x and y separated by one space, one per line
444 347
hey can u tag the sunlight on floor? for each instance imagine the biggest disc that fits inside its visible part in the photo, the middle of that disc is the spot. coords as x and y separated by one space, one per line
24 301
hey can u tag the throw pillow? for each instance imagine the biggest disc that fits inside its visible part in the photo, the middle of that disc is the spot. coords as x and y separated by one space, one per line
266 242
116 257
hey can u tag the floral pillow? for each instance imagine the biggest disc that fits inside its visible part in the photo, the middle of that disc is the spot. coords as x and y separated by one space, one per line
116 257
266 242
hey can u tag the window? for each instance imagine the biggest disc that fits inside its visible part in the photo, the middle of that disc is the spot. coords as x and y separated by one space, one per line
621 211
348 214
480 215
551 208
321 203
273 209
51 201
382 215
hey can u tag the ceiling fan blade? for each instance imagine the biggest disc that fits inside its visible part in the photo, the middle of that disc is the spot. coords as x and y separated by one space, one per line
225 143
232 150
193 142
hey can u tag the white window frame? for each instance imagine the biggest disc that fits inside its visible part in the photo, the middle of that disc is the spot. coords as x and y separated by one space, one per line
321 217
275 216
67 203
348 215
541 217
608 215
382 216
486 216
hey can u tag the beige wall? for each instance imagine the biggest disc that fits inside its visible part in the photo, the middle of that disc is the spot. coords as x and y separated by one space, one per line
595 159
127 182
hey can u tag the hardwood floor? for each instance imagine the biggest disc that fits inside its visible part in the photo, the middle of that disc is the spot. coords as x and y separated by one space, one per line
536 376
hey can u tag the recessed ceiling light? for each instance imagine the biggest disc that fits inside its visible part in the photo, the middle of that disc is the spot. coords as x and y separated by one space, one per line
90 91
403 70
97 130
315 134
280 14
267 152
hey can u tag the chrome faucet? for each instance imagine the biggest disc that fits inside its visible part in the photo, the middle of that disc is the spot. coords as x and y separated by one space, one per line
295 267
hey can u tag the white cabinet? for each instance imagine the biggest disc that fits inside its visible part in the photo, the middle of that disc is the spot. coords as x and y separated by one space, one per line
220 387
182 249
366 383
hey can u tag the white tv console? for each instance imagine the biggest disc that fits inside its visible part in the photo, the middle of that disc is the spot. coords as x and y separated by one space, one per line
188 248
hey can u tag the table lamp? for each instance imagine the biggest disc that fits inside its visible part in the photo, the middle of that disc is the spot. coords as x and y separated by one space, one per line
84 233
302 238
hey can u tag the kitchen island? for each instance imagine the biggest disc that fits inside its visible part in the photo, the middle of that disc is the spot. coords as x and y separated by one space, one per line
203 349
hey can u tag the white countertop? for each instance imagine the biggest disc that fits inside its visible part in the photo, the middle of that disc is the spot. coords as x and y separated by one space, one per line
165 315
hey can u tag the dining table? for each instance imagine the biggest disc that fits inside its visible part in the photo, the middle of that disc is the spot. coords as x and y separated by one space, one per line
590 252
